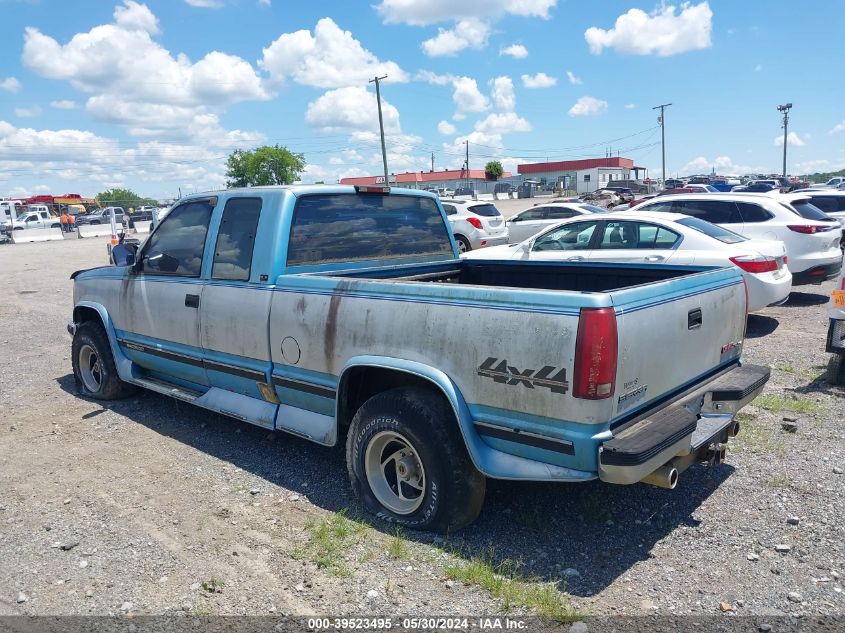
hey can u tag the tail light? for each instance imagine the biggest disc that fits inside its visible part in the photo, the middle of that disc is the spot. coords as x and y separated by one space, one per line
809 229
745 327
475 222
596 354
755 264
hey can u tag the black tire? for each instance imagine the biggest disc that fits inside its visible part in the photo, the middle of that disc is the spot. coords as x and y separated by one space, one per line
55 226
91 337
463 244
453 490
836 370
95 222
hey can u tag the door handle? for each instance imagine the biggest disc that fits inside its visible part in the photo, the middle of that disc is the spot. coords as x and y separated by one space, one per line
655 258
694 319
192 301
575 258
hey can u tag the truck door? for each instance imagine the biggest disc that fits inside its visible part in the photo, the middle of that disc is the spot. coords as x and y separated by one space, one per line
235 305
157 324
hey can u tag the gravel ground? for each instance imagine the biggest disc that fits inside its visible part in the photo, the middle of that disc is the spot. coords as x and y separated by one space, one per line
149 506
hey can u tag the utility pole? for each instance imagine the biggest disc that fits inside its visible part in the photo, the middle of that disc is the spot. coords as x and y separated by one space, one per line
467 163
376 80
432 161
785 109
662 121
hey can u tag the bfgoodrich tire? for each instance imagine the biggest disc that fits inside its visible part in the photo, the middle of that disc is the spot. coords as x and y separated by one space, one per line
408 464
93 364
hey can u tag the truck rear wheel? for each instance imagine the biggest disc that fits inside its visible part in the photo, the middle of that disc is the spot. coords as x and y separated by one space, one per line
408 463
93 365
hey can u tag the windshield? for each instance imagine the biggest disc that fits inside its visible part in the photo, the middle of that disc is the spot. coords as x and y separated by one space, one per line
810 211
486 210
711 230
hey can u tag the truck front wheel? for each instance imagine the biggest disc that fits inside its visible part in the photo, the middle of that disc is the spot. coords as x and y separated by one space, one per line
93 364
408 463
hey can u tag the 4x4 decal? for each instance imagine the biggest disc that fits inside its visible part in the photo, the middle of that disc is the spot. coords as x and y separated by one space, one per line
503 373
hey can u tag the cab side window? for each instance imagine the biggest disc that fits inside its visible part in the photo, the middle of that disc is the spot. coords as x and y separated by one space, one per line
176 247
450 209
236 239
571 237
560 213
715 211
533 214
753 212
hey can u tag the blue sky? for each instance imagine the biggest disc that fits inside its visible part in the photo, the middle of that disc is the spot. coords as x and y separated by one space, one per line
154 95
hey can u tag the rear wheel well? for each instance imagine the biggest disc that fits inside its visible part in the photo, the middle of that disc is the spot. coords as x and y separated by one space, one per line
359 384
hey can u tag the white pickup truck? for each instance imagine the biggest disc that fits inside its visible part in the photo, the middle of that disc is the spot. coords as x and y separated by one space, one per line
332 311
35 216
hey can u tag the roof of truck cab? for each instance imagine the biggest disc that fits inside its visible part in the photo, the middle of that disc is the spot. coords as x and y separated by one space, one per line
302 190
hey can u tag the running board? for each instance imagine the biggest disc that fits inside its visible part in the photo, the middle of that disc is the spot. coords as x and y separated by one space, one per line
168 389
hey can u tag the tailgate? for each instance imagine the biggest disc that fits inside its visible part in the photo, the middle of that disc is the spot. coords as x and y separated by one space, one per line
674 333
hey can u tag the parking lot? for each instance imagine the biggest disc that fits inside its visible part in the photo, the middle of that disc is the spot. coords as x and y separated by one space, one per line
151 506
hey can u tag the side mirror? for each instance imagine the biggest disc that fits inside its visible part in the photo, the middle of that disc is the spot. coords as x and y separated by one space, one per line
124 254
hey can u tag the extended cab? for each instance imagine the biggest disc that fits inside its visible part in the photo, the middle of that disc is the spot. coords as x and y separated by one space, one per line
336 311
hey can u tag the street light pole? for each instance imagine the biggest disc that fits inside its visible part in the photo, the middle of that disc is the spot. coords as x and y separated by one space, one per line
376 80
662 119
785 109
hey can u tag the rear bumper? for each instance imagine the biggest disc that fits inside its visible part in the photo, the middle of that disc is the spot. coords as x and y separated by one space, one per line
817 274
683 428
484 242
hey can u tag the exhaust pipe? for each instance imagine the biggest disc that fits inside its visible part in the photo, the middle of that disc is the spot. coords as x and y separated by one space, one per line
733 429
664 477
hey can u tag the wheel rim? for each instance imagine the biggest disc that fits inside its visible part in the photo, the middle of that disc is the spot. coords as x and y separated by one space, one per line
395 472
462 246
90 369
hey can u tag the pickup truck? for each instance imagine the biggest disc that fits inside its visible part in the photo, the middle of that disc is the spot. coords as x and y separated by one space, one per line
35 216
332 311
100 216
836 332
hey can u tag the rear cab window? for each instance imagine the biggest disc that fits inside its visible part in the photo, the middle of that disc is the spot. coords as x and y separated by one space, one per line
333 228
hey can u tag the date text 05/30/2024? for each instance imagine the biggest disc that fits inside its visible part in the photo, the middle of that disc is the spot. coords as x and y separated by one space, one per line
418 623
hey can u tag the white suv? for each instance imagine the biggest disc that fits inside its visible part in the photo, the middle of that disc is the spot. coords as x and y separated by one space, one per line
812 245
475 224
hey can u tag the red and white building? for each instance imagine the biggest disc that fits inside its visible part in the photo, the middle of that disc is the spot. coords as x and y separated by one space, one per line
582 175
451 178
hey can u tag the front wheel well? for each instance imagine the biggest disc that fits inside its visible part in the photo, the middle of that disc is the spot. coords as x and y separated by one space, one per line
359 384
81 314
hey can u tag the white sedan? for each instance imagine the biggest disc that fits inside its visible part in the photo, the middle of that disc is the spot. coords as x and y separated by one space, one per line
526 223
658 238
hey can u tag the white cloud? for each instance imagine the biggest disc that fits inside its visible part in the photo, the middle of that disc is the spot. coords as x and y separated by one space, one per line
346 157
792 139
349 109
722 164
433 78
517 51
264 3
423 12
839 127
630 106
758 68
134 16
588 106
467 33
63 104
662 32
503 124
575 81
444 127
330 58
128 75
10 84
28 112
467 96
540 80
205 4
503 94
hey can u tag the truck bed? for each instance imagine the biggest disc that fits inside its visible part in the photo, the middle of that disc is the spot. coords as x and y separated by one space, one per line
577 277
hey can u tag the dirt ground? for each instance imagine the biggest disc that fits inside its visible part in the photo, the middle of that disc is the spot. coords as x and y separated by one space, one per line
149 506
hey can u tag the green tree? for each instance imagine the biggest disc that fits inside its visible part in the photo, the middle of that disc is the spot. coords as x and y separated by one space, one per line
125 198
493 170
265 165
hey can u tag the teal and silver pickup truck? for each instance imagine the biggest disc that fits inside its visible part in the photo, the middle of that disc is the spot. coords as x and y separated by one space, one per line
336 312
